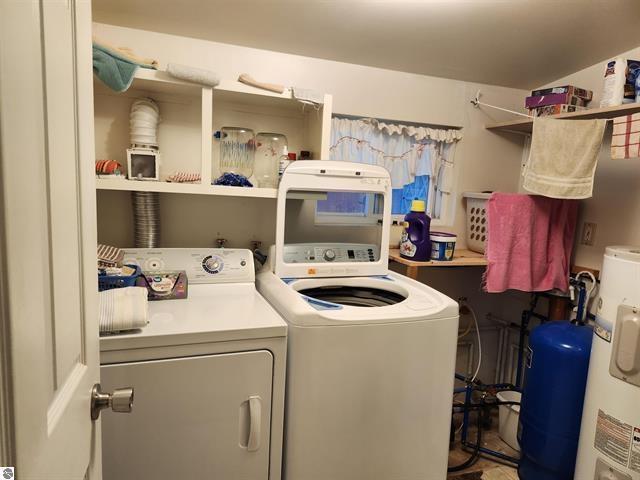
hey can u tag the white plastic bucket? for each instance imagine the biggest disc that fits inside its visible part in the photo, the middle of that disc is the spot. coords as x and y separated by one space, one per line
443 246
508 416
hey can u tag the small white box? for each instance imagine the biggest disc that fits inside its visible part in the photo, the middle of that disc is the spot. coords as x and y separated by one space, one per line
143 164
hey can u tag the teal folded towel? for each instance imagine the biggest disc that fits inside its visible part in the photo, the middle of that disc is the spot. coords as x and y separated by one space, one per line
113 69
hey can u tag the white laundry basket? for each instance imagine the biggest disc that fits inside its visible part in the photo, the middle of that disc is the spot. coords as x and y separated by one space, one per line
477 226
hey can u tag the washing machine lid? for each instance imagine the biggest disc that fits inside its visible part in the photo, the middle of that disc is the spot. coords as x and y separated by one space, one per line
308 181
625 252
354 300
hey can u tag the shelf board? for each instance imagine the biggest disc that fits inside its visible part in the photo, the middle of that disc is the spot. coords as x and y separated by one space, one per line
233 88
150 81
184 188
239 94
525 125
461 258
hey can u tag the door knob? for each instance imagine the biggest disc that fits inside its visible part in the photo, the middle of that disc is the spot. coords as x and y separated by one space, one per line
120 401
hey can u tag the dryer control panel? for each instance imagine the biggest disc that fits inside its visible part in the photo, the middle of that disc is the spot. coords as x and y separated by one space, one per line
331 253
203 265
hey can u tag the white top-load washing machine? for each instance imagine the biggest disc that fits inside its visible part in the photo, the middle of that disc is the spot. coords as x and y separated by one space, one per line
208 374
371 353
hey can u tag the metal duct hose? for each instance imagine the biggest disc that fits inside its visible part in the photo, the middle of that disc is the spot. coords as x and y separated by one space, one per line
146 219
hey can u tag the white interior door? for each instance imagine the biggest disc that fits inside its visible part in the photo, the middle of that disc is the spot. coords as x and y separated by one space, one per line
195 418
48 239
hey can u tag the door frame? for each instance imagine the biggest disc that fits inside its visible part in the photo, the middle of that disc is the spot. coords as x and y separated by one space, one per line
7 454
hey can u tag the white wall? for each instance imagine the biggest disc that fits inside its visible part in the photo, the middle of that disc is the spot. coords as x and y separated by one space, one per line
615 205
484 160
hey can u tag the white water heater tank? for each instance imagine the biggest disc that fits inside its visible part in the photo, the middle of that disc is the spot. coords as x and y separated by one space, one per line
609 446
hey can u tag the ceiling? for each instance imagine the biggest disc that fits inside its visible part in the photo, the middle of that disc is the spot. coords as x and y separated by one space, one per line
515 43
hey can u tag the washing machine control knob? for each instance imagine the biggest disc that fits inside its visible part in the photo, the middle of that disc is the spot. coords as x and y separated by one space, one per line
329 255
212 264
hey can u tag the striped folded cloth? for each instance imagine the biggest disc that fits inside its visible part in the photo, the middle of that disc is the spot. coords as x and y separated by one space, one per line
184 177
109 256
625 140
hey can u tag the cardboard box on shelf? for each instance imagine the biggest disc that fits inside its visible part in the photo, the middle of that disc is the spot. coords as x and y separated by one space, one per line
586 95
550 110
553 99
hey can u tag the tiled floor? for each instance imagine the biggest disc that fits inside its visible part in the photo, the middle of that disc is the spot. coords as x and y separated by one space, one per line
490 469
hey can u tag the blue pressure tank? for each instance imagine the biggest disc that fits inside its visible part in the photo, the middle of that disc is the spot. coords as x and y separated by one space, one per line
551 409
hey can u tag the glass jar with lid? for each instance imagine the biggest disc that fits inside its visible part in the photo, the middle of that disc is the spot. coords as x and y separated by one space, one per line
237 151
271 149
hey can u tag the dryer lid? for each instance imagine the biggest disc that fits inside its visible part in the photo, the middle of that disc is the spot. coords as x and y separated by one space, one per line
329 207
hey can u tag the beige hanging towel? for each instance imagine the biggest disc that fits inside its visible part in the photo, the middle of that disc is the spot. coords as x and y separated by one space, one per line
625 140
563 157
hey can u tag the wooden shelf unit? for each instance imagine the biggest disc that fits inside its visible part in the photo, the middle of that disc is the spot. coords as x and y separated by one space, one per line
525 125
461 258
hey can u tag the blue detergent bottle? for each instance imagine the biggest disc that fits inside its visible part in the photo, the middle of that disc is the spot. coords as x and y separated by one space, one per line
415 243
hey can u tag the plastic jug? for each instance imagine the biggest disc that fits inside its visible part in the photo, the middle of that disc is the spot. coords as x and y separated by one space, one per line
415 243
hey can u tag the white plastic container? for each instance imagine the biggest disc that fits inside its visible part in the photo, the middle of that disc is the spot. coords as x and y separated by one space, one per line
443 245
615 76
508 416
477 226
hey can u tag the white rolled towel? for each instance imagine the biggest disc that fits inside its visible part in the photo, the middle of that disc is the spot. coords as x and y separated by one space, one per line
193 74
123 309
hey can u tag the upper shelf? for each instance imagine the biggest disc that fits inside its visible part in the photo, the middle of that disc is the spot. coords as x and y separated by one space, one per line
186 188
155 81
525 125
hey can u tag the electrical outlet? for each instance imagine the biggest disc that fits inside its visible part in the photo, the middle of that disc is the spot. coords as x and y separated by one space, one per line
588 233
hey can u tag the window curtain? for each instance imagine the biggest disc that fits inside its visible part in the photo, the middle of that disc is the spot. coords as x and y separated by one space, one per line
419 159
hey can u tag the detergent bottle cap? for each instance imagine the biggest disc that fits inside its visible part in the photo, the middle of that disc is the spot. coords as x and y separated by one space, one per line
418 206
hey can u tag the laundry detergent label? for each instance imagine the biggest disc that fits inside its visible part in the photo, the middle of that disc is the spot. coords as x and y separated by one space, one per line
407 248
614 438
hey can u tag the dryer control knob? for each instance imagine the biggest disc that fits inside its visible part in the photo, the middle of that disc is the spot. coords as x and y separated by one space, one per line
212 264
329 255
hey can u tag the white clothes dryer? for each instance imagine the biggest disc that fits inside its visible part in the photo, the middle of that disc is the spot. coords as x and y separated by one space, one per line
208 373
371 353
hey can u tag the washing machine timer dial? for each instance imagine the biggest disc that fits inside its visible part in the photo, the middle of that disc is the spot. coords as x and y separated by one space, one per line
212 264
329 255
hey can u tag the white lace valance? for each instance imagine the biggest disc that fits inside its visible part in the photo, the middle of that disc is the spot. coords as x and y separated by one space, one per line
446 135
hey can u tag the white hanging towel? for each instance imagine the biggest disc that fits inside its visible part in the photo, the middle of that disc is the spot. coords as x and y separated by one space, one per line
123 309
563 157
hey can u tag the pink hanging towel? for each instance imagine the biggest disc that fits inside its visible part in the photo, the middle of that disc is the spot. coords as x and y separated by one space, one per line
529 245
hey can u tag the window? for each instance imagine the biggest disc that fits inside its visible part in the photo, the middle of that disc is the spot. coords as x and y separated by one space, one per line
419 160
401 198
349 208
